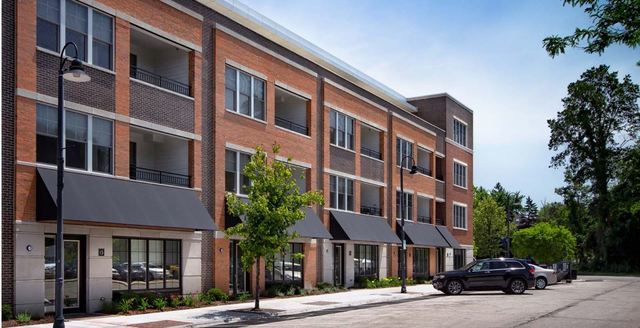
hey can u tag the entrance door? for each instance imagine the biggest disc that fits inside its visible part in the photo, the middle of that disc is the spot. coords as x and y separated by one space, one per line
338 264
238 278
73 273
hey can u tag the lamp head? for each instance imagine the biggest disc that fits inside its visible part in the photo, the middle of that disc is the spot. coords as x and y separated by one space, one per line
414 169
76 72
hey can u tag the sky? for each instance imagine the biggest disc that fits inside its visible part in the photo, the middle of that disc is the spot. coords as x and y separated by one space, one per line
487 54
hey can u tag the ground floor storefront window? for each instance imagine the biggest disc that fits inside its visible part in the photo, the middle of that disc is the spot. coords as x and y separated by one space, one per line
146 264
458 258
420 262
287 267
440 258
365 261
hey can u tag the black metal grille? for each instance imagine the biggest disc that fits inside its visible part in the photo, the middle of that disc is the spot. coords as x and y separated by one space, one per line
140 173
370 152
284 123
440 221
157 80
423 170
424 219
371 210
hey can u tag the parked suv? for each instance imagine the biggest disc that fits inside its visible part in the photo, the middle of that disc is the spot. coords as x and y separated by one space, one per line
512 276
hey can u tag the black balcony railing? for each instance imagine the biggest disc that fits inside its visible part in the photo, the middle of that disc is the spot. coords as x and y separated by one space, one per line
370 152
371 210
295 127
157 80
423 170
440 221
424 219
157 176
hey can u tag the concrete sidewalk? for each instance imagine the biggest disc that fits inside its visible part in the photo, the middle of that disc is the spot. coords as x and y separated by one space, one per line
214 315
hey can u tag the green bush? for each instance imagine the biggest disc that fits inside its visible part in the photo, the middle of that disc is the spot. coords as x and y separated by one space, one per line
189 300
125 304
244 296
7 312
324 285
175 301
23 317
143 304
215 294
160 303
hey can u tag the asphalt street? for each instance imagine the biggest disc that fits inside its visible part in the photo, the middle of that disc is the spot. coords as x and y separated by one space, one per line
592 302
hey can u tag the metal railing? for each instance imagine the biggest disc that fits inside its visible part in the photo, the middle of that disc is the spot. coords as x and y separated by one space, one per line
157 80
424 219
440 221
284 123
370 152
371 210
423 170
157 176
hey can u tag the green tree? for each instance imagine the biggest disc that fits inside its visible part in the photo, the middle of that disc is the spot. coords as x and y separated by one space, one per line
488 226
554 213
600 117
530 212
544 242
275 204
614 22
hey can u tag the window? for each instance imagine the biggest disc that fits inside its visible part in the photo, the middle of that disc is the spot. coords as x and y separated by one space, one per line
299 174
92 154
459 216
234 176
459 174
420 262
341 193
286 267
89 29
145 264
408 206
244 93
424 209
365 261
341 130
459 258
460 132
514 264
404 148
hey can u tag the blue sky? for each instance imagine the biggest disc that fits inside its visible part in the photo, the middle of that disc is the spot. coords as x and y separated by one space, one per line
487 54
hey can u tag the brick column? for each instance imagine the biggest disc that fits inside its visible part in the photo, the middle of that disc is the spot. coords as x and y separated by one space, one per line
309 264
121 64
221 269
195 163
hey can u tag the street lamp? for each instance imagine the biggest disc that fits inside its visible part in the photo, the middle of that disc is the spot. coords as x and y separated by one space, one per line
75 73
413 170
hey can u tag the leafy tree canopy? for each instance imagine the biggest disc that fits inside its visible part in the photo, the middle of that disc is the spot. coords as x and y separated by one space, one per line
544 242
488 226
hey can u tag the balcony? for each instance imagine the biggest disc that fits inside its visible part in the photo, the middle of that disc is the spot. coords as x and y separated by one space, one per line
292 111
440 168
424 209
424 161
159 158
159 62
370 200
440 213
370 142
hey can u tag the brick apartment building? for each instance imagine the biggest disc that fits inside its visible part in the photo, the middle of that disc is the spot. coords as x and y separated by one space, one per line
181 92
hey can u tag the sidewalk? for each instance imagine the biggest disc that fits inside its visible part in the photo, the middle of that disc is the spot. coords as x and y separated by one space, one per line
215 315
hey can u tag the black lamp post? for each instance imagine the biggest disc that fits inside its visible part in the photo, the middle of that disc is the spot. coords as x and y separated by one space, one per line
403 271
75 73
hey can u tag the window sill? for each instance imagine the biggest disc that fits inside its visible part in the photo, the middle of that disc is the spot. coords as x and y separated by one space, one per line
461 229
339 210
246 116
460 187
373 158
424 175
343 148
290 131
100 68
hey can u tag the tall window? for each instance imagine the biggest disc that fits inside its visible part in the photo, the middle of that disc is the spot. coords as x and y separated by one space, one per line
421 262
89 29
244 93
145 264
459 216
286 267
460 132
408 206
458 258
365 261
299 174
404 148
341 193
89 140
341 130
234 176
459 174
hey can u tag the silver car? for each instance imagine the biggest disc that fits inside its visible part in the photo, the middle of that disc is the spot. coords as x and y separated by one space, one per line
544 277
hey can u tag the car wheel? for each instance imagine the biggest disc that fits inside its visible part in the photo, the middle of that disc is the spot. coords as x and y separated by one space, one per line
517 286
541 283
453 287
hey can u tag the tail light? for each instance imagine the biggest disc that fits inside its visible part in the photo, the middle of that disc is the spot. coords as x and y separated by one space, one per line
531 270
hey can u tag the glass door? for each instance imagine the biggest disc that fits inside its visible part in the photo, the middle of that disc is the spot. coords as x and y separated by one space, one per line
72 272
238 278
338 260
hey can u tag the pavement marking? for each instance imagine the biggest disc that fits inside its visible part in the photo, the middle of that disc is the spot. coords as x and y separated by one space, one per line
321 303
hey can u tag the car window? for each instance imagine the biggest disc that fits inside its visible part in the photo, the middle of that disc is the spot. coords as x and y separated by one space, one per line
514 265
497 265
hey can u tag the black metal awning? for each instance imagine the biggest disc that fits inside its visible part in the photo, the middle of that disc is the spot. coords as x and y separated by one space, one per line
106 200
422 234
359 227
309 227
453 243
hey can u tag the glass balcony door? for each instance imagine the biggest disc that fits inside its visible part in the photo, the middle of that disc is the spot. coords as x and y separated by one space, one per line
73 274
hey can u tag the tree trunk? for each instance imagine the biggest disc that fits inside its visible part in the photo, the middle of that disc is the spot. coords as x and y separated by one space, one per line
256 306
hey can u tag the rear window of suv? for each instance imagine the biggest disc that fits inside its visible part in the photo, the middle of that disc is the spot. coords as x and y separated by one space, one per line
514 265
497 265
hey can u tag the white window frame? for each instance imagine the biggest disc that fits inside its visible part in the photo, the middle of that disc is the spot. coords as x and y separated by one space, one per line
238 172
407 211
237 100
459 223
346 129
346 194
455 136
403 143
89 159
464 177
62 35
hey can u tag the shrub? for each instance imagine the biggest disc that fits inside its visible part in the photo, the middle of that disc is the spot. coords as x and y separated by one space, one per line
244 296
160 303
175 301
189 300
125 304
143 304
215 294
23 317
7 312
324 285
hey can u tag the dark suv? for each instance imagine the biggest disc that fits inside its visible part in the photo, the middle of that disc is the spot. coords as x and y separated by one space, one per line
512 276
